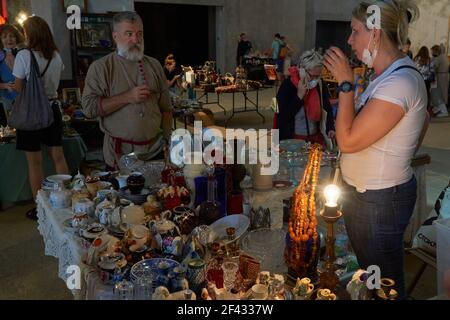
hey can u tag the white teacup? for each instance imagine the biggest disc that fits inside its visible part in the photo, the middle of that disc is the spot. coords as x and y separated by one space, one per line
260 291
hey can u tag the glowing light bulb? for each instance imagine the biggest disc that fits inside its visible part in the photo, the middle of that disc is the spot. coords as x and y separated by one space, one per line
21 18
332 193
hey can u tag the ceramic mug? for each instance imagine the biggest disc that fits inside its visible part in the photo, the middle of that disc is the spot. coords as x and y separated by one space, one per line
84 205
260 291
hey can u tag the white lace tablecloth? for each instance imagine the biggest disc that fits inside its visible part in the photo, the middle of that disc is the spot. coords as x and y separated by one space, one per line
67 248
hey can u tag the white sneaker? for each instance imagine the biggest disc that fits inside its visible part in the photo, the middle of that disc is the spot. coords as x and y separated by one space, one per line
442 111
442 114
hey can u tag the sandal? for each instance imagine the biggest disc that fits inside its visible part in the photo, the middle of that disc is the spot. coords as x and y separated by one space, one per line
32 214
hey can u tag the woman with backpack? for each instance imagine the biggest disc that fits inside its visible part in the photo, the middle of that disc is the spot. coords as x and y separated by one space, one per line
40 43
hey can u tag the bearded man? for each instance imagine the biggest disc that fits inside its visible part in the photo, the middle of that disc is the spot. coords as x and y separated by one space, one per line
128 92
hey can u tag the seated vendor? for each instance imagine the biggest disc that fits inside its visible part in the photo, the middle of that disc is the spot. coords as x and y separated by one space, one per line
302 100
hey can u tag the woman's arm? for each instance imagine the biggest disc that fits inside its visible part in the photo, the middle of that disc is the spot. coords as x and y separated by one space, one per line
18 85
357 132
423 133
376 120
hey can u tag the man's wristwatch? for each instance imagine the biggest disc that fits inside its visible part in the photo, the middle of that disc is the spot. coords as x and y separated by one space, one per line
345 87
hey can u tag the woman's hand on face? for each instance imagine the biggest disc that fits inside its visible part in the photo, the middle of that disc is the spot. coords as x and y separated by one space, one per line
301 90
331 134
337 63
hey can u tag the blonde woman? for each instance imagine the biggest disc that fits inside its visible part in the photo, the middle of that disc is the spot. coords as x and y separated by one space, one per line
378 135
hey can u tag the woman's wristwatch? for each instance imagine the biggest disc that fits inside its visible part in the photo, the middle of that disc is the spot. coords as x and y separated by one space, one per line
345 87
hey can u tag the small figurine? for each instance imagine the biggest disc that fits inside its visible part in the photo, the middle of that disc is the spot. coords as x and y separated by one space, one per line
303 289
161 293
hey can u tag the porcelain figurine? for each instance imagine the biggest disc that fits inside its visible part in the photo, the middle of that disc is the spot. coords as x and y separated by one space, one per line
325 294
303 289
357 287
161 293
78 182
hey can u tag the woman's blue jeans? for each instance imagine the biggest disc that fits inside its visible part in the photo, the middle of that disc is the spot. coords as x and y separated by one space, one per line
376 221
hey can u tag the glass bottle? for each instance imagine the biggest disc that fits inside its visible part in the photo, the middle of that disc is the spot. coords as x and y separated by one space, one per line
214 272
209 210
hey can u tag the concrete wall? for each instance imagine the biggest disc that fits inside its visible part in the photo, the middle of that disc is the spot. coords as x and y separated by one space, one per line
433 25
261 19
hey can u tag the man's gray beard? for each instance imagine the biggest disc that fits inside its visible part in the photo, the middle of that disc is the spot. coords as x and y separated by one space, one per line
132 55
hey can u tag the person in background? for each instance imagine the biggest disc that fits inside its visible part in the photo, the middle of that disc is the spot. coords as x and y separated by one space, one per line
302 100
244 48
39 40
378 135
172 71
423 64
275 52
11 40
407 49
439 89
128 92
288 58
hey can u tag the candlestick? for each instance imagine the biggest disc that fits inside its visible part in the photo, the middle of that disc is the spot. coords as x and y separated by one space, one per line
330 214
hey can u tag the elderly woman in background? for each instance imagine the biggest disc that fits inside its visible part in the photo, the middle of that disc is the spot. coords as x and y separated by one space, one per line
303 101
11 39
439 90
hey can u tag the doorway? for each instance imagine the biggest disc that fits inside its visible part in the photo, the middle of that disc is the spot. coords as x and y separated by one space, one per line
333 33
187 31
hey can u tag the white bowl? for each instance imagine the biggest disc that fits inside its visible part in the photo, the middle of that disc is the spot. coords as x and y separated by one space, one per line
60 179
218 228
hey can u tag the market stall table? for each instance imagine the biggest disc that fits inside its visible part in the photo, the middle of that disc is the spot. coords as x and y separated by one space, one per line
67 247
14 185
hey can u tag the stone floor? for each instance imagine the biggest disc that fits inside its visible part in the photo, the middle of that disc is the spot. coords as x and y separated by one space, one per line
26 273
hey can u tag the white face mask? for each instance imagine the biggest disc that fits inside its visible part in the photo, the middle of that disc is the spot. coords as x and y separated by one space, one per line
309 84
368 58
313 83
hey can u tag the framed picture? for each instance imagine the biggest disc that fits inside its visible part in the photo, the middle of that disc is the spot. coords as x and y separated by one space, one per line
71 95
81 3
95 35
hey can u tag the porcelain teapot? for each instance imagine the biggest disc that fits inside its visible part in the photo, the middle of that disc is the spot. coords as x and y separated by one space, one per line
167 234
80 220
84 205
104 211
60 198
138 235
132 214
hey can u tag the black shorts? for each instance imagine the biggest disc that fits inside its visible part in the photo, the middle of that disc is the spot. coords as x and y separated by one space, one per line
52 136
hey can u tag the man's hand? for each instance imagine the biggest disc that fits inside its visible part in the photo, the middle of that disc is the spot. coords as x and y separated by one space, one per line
138 94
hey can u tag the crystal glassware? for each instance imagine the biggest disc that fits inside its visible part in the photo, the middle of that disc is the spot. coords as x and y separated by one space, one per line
143 287
124 290
230 269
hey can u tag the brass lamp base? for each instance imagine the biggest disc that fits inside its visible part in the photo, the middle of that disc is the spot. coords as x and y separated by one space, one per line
328 279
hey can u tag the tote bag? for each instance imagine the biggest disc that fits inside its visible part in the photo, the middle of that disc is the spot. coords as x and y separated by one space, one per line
32 111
